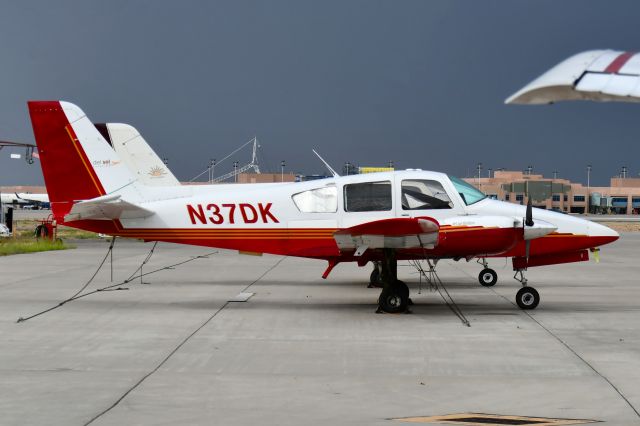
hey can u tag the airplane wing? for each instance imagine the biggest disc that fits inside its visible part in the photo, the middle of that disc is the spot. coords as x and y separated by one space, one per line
107 207
389 233
596 75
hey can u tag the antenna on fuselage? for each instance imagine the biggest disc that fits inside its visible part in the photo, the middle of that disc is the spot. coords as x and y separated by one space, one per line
333 172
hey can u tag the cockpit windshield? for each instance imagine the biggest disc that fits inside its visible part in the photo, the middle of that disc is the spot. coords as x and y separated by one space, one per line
468 193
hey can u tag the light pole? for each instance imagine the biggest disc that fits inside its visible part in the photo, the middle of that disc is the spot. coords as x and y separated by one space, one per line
391 164
282 164
235 171
624 172
588 186
347 166
479 166
529 170
489 172
555 175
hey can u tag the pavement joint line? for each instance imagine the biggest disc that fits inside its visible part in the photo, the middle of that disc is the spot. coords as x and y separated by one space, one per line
565 344
31 278
180 345
576 354
118 285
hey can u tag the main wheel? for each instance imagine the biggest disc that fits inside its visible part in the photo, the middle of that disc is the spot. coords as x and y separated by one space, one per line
374 278
393 301
488 277
402 288
527 298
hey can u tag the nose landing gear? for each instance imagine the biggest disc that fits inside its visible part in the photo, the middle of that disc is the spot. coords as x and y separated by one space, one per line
527 297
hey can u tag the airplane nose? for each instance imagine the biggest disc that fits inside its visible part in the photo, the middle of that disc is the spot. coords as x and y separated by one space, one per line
604 234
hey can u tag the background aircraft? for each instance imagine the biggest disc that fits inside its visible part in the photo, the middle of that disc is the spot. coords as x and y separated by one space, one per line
23 198
595 75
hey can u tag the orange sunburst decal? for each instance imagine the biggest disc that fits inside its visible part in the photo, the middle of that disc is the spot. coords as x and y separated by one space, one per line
157 171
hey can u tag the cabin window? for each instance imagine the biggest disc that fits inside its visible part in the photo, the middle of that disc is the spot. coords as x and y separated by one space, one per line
468 193
367 197
423 195
320 200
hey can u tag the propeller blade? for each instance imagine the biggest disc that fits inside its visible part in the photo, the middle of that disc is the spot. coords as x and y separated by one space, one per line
529 217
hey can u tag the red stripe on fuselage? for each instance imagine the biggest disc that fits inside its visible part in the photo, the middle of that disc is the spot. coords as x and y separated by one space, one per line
319 242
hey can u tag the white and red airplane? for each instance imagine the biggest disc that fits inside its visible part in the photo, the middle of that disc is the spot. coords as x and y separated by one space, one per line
378 217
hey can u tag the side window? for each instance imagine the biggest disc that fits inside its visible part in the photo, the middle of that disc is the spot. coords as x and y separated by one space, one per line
367 197
424 194
321 200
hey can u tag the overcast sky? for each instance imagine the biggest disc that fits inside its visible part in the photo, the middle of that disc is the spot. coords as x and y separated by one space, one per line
421 83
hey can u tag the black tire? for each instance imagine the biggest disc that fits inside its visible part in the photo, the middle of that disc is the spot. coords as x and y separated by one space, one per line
487 277
393 301
403 289
527 298
41 231
374 278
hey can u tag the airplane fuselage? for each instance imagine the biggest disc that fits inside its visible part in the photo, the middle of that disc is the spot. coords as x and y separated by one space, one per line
300 219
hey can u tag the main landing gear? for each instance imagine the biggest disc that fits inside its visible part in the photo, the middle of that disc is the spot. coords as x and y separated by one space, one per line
527 297
374 278
394 297
487 277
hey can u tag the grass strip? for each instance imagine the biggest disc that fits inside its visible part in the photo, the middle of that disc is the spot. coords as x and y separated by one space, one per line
10 246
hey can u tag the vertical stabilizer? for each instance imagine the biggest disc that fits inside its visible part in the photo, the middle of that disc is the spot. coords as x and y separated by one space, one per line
77 162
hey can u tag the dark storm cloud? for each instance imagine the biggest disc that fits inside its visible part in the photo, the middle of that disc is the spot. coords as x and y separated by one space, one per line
421 83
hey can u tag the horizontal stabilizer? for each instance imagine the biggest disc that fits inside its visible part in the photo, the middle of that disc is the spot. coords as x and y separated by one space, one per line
389 233
107 207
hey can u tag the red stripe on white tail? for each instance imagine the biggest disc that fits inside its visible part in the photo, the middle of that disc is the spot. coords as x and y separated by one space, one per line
77 163
618 62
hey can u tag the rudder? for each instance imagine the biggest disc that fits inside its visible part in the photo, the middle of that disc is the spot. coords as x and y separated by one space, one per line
77 163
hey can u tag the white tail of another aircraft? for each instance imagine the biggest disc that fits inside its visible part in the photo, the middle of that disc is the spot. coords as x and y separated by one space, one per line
136 153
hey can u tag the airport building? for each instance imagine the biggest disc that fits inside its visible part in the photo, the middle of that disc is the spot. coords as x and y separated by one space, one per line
621 197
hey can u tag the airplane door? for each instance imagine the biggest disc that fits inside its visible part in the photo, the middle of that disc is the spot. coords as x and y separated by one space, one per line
365 201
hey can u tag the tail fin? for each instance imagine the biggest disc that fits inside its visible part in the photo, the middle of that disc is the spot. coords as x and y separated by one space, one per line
143 162
77 163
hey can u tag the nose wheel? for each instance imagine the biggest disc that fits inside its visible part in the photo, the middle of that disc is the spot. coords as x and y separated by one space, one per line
527 298
488 277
